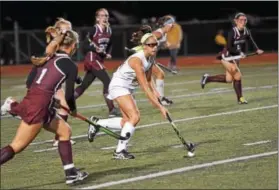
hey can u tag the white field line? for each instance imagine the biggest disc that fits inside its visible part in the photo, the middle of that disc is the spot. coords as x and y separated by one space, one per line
45 150
180 170
256 143
97 83
178 120
177 96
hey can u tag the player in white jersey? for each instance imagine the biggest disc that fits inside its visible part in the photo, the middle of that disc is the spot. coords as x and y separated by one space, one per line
135 70
157 72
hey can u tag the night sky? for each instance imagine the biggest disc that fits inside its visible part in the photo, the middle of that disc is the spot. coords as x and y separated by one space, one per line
32 15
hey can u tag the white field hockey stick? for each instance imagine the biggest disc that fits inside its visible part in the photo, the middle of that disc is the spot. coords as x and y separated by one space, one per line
159 64
238 57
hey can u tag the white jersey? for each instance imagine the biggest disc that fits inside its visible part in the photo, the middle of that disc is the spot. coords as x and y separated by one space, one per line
125 76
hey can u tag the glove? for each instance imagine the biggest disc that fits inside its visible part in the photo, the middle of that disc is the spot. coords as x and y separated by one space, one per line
79 80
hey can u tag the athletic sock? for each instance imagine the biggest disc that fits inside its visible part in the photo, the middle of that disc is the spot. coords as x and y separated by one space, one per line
128 129
112 123
160 87
216 78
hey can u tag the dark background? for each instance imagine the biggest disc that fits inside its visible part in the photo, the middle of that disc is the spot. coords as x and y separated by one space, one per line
32 15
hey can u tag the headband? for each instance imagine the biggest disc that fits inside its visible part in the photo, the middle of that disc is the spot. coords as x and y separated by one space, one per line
145 37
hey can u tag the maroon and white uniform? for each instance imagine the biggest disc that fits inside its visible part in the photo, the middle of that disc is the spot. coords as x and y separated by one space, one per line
38 104
101 38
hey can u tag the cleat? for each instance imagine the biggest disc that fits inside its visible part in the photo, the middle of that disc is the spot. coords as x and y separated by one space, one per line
6 107
115 112
242 101
55 143
72 179
123 155
166 102
204 80
92 130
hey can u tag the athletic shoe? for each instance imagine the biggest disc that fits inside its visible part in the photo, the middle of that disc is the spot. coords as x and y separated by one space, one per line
78 177
204 80
242 101
55 143
92 130
6 107
115 112
123 155
166 102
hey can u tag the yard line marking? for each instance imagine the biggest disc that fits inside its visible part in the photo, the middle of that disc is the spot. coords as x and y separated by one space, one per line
256 143
180 170
112 147
45 150
178 120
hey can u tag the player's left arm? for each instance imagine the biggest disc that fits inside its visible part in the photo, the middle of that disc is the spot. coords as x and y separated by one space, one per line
258 50
151 82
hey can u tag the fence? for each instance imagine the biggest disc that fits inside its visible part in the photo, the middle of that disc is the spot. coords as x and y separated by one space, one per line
198 39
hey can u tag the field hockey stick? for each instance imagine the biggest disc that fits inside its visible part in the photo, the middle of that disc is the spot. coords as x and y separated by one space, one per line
166 68
129 50
105 130
188 146
95 45
239 57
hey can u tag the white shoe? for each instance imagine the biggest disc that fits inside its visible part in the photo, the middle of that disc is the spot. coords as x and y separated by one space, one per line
6 107
55 143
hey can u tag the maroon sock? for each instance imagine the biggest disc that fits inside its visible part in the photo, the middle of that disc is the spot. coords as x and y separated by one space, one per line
237 88
56 137
65 151
64 117
109 102
216 78
7 153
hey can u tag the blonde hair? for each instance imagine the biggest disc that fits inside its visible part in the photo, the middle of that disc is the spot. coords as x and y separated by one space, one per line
70 38
60 21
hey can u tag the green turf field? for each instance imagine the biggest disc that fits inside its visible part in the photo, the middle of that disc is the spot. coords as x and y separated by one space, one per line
211 118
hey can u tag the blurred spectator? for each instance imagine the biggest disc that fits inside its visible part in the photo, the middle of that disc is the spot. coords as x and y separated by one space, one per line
144 21
220 40
153 23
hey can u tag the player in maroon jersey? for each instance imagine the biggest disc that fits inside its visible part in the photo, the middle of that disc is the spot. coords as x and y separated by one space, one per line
55 35
37 107
98 47
238 37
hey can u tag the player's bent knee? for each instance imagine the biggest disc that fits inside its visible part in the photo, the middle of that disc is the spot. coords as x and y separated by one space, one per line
135 118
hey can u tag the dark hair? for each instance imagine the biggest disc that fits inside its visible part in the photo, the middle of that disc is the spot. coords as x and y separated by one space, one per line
136 36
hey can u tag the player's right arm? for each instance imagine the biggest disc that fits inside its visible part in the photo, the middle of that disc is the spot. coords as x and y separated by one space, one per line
69 68
136 64
31 77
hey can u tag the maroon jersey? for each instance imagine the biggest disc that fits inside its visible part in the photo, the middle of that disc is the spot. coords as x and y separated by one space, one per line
38 104
102 39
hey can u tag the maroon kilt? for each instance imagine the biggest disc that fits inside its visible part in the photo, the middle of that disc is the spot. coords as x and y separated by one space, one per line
36 107
93 61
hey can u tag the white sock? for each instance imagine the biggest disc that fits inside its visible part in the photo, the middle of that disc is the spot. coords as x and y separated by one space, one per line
111 123
127 128
160 86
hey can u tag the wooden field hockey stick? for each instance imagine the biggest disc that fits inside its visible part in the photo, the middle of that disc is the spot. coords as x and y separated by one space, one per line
159 64
105 130
238 57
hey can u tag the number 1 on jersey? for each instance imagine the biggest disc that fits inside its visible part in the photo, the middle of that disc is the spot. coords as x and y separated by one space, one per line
41 76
